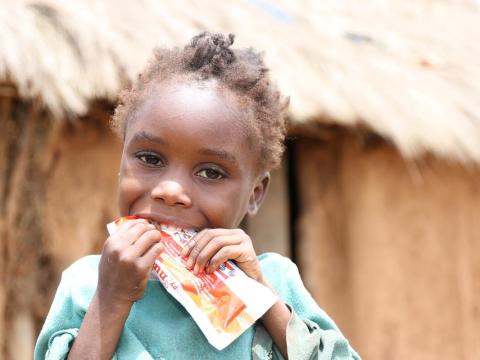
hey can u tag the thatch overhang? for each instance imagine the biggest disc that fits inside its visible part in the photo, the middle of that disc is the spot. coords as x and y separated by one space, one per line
407 70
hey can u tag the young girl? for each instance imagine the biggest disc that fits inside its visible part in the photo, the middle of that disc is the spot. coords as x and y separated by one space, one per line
202 127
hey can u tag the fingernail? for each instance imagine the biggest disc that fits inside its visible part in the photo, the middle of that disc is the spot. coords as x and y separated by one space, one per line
189 263
184 251
195 270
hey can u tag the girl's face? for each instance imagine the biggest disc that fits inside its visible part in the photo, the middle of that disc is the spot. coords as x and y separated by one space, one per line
188 160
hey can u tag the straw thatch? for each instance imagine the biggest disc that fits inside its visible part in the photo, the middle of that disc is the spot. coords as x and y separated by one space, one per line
408 70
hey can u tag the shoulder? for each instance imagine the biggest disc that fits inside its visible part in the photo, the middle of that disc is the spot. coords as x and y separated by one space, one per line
83 267
273 262
283 275
79 280
280 271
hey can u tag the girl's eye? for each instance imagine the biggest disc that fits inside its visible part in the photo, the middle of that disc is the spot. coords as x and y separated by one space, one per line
150 159
211 174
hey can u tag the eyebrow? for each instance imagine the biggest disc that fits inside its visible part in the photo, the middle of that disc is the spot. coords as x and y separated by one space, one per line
143 135
219 153
222 154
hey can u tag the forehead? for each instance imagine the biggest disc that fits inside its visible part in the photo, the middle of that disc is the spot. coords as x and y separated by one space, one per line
201 106
193 117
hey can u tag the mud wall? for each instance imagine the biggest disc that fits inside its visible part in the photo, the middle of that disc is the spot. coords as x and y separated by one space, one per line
57 191
391 249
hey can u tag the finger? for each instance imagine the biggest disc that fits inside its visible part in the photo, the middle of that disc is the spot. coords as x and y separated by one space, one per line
145 242
119 246
191 243
224 254
201 241
151 255
127 225
126 235
134 233
212 247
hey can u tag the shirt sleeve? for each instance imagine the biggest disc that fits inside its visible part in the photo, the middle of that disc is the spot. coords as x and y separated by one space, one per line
311 333
60 328
62 324
74 294
306 340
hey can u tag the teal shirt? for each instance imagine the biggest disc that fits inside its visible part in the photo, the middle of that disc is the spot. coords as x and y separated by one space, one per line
158 327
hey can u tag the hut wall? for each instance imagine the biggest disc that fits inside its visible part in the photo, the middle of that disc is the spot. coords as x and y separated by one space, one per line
4 111
270 227
391 248
80 192
57 191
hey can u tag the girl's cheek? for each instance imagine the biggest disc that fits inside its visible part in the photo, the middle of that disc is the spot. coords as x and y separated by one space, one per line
122 200
129 191
222 211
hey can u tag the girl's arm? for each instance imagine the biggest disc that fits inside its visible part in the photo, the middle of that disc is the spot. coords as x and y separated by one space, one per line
127 259
101 329
275 321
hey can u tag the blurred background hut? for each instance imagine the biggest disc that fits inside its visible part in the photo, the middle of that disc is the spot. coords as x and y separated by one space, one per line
378 200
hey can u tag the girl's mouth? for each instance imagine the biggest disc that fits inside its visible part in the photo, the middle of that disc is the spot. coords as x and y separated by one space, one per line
158 220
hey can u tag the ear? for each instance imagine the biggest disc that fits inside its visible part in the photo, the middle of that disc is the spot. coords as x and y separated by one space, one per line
258 193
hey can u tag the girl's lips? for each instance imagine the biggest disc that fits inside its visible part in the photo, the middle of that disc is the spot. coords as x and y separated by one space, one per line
168 220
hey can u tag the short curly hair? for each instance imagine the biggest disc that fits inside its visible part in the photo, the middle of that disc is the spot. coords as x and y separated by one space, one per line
242 71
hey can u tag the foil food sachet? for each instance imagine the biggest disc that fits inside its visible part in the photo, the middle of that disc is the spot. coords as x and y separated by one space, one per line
223 303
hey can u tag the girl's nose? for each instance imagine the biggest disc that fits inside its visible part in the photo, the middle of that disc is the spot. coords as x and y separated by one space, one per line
172 193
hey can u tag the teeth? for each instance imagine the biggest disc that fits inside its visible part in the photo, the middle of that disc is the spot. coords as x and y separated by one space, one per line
154 223
168 227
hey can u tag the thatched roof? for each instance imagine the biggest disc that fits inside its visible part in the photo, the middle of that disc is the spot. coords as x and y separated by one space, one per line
409 70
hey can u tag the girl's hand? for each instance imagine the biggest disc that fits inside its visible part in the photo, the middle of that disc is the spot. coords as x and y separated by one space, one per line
127 259
212 247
